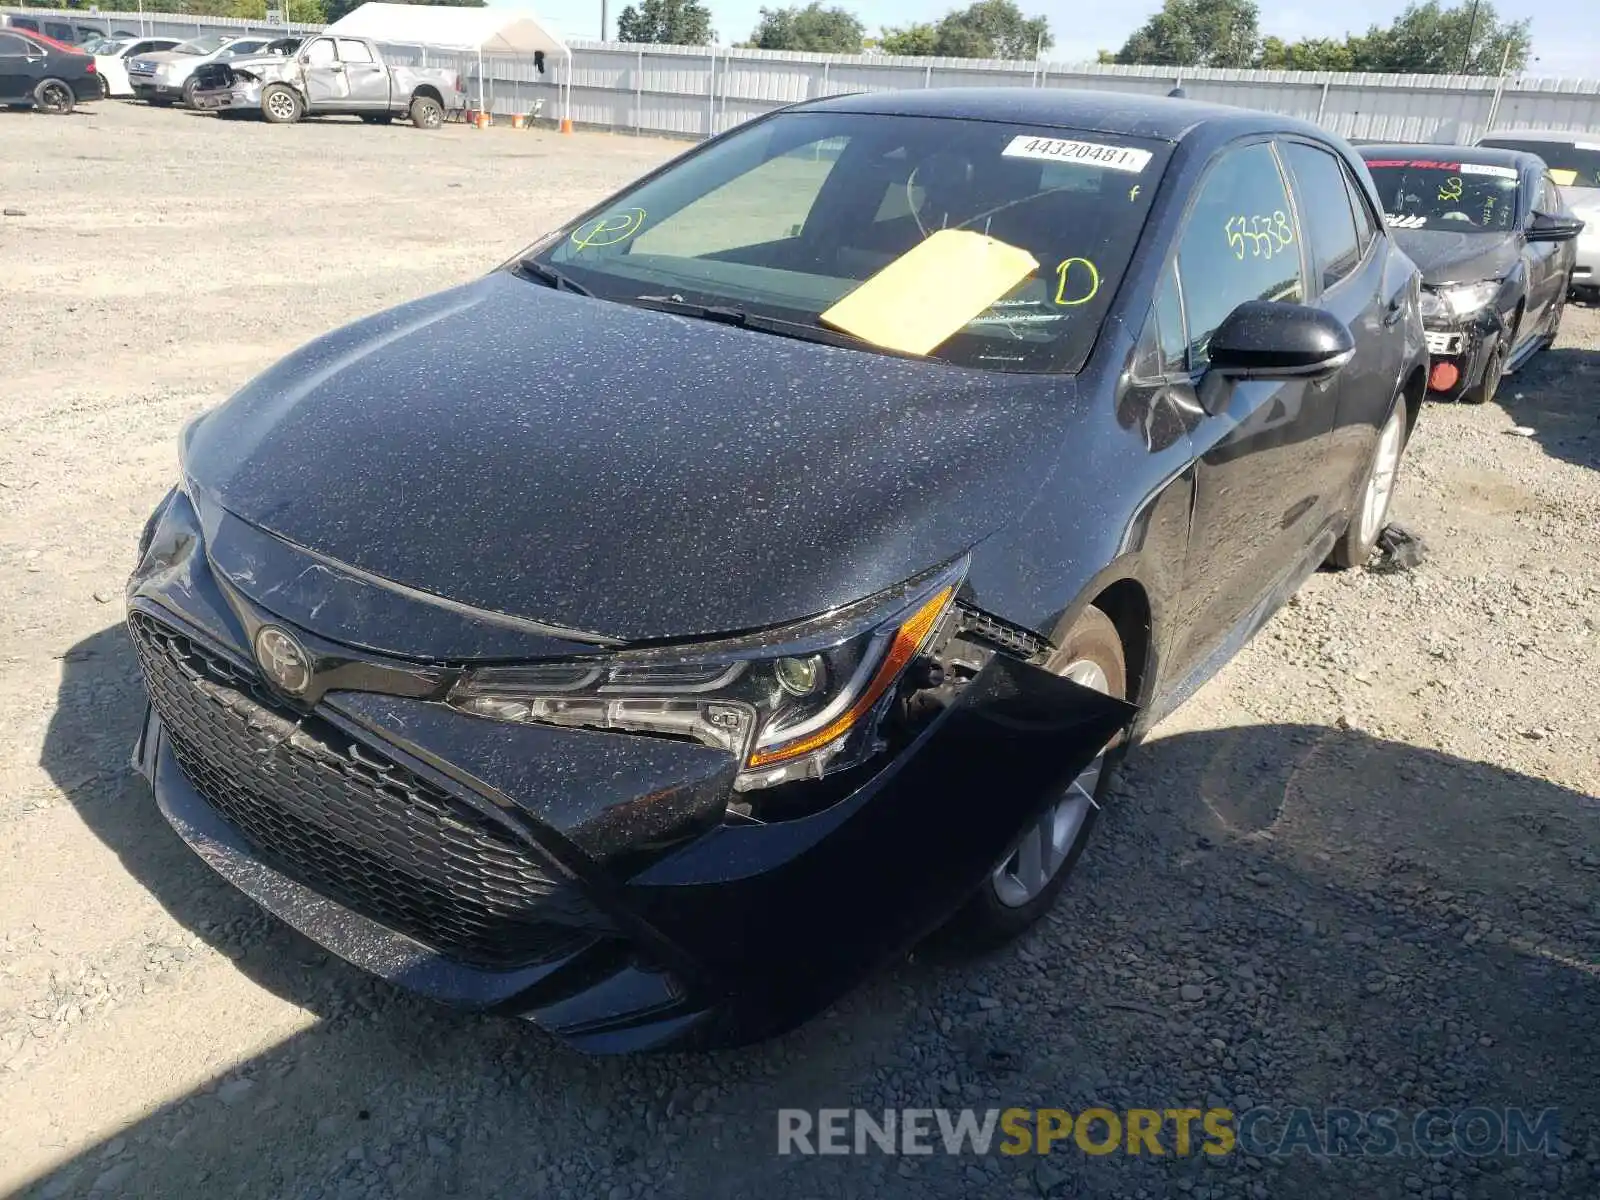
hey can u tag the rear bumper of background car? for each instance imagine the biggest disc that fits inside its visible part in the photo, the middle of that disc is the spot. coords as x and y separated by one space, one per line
1586 269
655 917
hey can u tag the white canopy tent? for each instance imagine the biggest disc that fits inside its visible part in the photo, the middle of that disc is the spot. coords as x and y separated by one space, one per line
467 30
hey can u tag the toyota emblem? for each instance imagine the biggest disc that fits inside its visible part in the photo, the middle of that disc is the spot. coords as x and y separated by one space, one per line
283 661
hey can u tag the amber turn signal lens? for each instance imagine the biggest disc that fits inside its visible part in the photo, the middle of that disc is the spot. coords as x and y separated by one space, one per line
908 639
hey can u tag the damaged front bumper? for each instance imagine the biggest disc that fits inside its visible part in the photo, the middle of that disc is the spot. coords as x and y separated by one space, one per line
1464 348
241 95
597 883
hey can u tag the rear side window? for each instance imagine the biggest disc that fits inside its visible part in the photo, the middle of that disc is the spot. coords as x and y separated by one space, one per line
11 46
1366 223
1239 244
1325 215
1550 200
1574 164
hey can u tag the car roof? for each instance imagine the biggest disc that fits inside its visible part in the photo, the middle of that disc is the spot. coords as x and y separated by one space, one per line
1563 137
1126 113
1488 155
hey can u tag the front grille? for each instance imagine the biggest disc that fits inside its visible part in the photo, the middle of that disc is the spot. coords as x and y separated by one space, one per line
344 819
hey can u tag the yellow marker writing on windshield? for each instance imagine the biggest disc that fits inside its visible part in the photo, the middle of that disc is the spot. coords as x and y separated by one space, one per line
1451 189
1064 269
609 230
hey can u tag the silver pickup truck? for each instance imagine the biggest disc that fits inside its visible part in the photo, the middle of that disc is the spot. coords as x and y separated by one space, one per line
331 75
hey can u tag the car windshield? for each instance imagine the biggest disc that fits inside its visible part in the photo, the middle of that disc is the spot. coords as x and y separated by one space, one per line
784 219
1572 164
112 46
1462 197
201 45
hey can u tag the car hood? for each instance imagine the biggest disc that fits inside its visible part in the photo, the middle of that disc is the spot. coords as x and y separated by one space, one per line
623 472
168 56
1444 256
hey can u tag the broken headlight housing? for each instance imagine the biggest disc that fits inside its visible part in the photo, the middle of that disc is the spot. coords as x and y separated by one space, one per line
793 703
1458 300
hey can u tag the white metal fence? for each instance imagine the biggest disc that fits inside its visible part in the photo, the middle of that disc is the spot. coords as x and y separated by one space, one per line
696 91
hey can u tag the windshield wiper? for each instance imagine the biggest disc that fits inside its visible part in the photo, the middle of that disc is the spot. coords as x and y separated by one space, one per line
551 277
799 330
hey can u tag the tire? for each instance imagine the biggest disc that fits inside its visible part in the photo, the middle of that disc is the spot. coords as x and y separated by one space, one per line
1376 494
1013 898
426 112
281 104
376 118
1493 371
1558 310
54 96
189 89
105 87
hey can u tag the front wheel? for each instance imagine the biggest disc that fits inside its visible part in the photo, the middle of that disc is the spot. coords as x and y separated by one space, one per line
189 89
54 96
1361 535
281 105
1024 884
426 113
1493 371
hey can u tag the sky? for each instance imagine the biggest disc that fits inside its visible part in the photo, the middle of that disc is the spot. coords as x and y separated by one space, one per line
1566 39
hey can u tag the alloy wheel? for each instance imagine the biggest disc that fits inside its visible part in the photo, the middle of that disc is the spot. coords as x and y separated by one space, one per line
1380 484
1043 850
55 98
281 106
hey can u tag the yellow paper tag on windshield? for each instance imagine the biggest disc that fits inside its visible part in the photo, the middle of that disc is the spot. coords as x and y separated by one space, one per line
932 290
1564 178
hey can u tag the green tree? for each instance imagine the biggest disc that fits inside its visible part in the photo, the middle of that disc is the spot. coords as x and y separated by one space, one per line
993 29
987 29
912 40
1429 39
812 28
668 22
1197 33
1308 54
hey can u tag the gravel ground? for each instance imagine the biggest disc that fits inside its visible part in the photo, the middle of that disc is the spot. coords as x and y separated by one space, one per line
1359 869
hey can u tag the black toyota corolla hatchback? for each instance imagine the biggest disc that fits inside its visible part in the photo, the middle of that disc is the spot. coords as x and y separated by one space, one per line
766 568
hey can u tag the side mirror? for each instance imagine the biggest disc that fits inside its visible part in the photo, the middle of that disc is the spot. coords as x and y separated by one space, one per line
1264 339
1550 227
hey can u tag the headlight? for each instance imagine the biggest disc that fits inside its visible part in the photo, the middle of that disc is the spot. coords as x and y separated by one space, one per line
1433 307
796 703
1467 298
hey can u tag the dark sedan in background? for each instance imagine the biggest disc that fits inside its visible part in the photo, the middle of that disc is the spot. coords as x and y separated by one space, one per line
42 73
1495 241
769 566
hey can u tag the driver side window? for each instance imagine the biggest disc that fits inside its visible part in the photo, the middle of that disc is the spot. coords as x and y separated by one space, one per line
1240 243
320 53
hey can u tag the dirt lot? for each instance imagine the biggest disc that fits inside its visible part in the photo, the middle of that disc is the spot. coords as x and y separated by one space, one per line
1361 868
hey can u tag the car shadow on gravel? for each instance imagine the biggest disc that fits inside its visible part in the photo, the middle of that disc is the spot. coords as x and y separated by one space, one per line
1270 914
1557 395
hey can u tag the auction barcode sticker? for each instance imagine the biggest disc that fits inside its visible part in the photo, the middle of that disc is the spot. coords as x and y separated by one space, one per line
1089 154
1467 168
